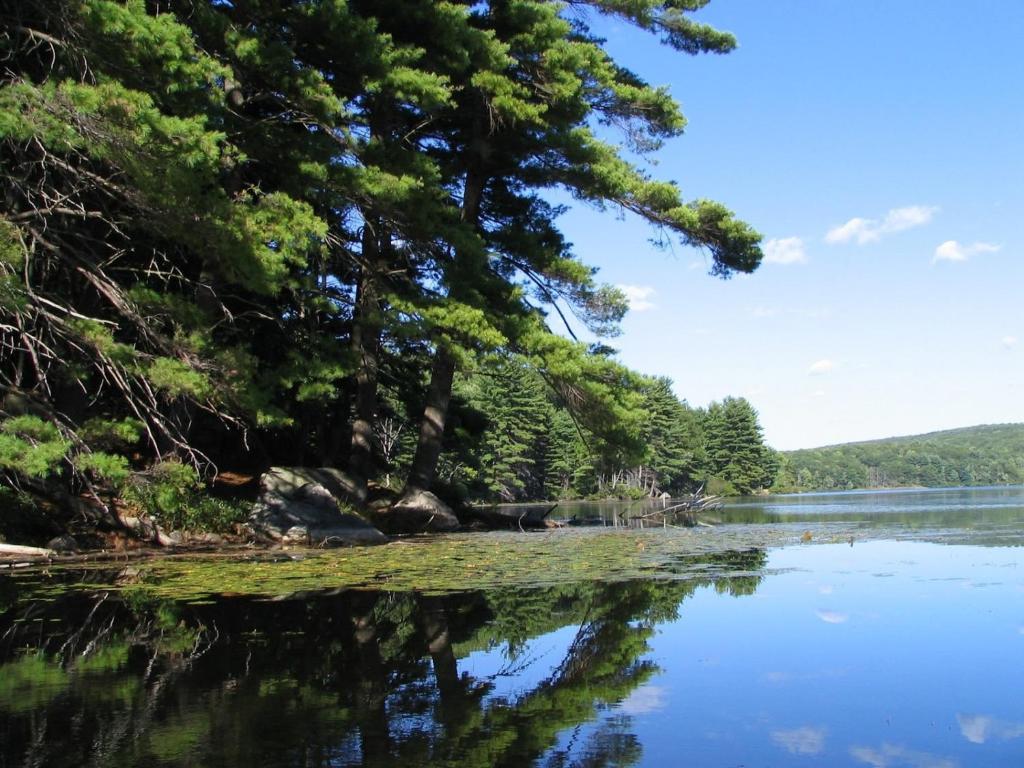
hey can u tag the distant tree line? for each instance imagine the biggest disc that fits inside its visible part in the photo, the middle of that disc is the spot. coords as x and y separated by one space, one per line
515 439
984 455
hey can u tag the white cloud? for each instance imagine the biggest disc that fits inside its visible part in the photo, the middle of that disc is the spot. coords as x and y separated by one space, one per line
801 741
978 729
951 250
1009 342
833 617
786 250
638 296
894 755
821 367
869 230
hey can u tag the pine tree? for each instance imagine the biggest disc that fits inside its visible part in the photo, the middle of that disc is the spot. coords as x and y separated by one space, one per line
672 436
736 453
125 240
518 413
521 124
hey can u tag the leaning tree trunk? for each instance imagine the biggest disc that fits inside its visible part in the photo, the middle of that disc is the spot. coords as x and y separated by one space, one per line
428 449
442 375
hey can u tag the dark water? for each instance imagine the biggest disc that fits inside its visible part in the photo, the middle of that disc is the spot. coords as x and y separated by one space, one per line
882 654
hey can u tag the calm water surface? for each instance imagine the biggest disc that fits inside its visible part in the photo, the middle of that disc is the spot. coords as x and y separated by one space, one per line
890 652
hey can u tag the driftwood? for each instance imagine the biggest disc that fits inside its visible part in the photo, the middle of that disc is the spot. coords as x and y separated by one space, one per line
512 518
17 550
683 513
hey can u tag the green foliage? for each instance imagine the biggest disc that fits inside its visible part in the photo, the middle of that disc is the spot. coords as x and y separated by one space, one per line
530 441
31 681
270 212
737 459
173 495
518 411
31 446
177 378
111 432
985 455
106 466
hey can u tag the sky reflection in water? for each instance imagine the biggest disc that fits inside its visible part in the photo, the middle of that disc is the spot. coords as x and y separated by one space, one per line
883 654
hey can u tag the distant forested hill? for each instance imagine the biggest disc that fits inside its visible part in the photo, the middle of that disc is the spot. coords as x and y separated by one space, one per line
991 454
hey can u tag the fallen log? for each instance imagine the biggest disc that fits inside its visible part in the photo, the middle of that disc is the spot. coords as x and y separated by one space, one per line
18 550
495 517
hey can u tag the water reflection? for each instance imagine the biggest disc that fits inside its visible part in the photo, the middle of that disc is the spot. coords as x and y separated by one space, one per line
939 507
917 508
354 678
978 729
815 661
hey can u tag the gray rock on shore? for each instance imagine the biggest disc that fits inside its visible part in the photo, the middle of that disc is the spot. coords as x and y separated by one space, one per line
300 506
419 512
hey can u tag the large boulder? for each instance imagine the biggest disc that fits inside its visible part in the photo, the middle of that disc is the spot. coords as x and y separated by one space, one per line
417 512
295 507
288 481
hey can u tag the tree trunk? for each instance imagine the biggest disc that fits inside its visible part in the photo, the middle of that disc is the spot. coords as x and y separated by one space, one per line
442 375
366 350
428 449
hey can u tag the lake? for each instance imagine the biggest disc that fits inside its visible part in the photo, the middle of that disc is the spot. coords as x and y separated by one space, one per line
854 629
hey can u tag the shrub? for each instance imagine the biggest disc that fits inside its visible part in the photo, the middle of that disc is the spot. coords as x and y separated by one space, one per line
174 496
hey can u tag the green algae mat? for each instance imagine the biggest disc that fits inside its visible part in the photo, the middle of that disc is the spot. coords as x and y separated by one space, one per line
435 565
472 561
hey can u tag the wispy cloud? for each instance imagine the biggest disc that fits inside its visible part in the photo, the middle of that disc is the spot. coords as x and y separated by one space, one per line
801 741
638 296
833 617
786 250
1008 342
978 729
892 755
812 313
951 250
864 230
821 367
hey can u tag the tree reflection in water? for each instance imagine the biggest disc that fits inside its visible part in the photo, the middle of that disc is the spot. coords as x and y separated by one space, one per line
350 678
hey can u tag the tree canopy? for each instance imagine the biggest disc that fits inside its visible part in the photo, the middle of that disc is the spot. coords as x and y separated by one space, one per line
238 233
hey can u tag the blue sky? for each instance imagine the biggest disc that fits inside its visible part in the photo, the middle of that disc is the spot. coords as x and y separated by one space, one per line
879 148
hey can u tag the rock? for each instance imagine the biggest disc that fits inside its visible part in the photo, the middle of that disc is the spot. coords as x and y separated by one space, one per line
316 495
172 539
295 507
297 534
289 481
63 543
418 512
